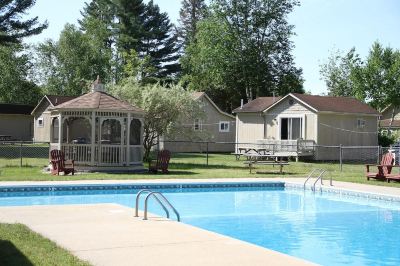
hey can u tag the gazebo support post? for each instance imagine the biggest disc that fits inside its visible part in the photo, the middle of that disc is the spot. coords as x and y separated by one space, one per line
128 139
60 130
93 138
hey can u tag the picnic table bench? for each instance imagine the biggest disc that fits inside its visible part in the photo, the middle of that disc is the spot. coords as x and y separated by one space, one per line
5 138
273 163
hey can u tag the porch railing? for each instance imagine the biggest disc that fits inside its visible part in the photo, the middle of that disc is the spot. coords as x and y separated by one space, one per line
276 146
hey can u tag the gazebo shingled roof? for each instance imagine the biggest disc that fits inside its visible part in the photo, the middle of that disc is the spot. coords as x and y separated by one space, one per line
98 100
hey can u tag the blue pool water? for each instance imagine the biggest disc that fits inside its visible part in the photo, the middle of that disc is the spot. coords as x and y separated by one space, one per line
324 228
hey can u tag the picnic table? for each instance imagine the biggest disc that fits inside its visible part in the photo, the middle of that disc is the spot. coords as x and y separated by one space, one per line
250 151
5 138
265 160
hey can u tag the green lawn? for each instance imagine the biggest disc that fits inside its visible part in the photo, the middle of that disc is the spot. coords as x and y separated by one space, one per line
20 246
194 166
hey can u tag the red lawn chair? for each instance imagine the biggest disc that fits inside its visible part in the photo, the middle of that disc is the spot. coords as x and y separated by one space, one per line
161 163
384 169
60 164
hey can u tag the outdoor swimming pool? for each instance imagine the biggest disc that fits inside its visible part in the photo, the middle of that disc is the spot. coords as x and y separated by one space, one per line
325 228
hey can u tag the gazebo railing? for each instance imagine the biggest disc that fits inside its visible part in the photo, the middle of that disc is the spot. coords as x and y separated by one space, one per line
80 153
112 155
104 155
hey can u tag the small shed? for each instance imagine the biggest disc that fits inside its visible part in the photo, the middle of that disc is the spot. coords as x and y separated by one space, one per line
41 116
98 131
15 122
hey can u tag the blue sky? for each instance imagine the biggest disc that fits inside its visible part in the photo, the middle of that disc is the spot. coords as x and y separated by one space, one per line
321 27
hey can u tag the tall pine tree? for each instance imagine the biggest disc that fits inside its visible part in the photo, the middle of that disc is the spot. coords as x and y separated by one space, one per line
12 27
191 12
137 29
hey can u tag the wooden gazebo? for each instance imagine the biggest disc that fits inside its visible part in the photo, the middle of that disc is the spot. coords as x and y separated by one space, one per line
98 131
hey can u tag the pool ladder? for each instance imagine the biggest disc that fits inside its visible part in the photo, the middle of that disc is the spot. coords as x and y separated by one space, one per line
320 173
160 198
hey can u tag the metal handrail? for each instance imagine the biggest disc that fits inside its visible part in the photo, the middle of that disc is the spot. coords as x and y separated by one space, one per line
310 175
153 193
318 178
157 199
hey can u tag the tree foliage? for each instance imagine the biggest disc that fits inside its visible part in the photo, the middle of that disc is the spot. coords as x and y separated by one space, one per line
12 27
165 108
191 12
340 74
132 25
15 67
242 49
376 79
67 66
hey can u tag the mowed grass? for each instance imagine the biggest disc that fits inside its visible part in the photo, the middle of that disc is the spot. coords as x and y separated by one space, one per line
23 247
195 166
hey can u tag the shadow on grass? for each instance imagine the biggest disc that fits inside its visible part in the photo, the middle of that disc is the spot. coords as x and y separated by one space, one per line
203 166
274 173
10 255
23 166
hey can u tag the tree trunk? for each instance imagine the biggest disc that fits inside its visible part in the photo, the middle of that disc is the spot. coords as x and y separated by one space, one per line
391 121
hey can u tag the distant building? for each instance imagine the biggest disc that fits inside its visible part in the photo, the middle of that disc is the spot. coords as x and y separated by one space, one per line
300 119
41 116
216 126
386 118
16 122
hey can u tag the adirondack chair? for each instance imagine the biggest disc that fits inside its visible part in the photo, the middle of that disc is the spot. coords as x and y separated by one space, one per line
60 164
161 163
384 168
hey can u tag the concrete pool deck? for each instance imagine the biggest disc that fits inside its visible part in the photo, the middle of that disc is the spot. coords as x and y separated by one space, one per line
108 234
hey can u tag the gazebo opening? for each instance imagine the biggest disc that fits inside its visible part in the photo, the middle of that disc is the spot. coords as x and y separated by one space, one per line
55 129
111 132
77 130
135 131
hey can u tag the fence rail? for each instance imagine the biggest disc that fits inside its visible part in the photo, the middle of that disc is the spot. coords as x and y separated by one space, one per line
23 153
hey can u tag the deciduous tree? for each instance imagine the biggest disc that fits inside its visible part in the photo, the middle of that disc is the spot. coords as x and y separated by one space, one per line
242 49
15 67
166 109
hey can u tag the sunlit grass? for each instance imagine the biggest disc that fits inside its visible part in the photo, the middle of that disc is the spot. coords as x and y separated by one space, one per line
195 166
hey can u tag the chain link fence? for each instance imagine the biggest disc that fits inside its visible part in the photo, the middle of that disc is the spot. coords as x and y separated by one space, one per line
202 152
24 154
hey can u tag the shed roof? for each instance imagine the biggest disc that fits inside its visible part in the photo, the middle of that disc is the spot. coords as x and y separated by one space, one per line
386 122
98 100
57 100
196 95
315 102
18 109
335 104
257 105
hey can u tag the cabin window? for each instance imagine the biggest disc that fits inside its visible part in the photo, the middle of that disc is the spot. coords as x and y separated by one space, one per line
360 123
291 128
223 126
197 125
40 122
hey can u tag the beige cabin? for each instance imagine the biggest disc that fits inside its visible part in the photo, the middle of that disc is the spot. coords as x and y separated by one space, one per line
386 122
293 125
98 131
16 122
214 126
